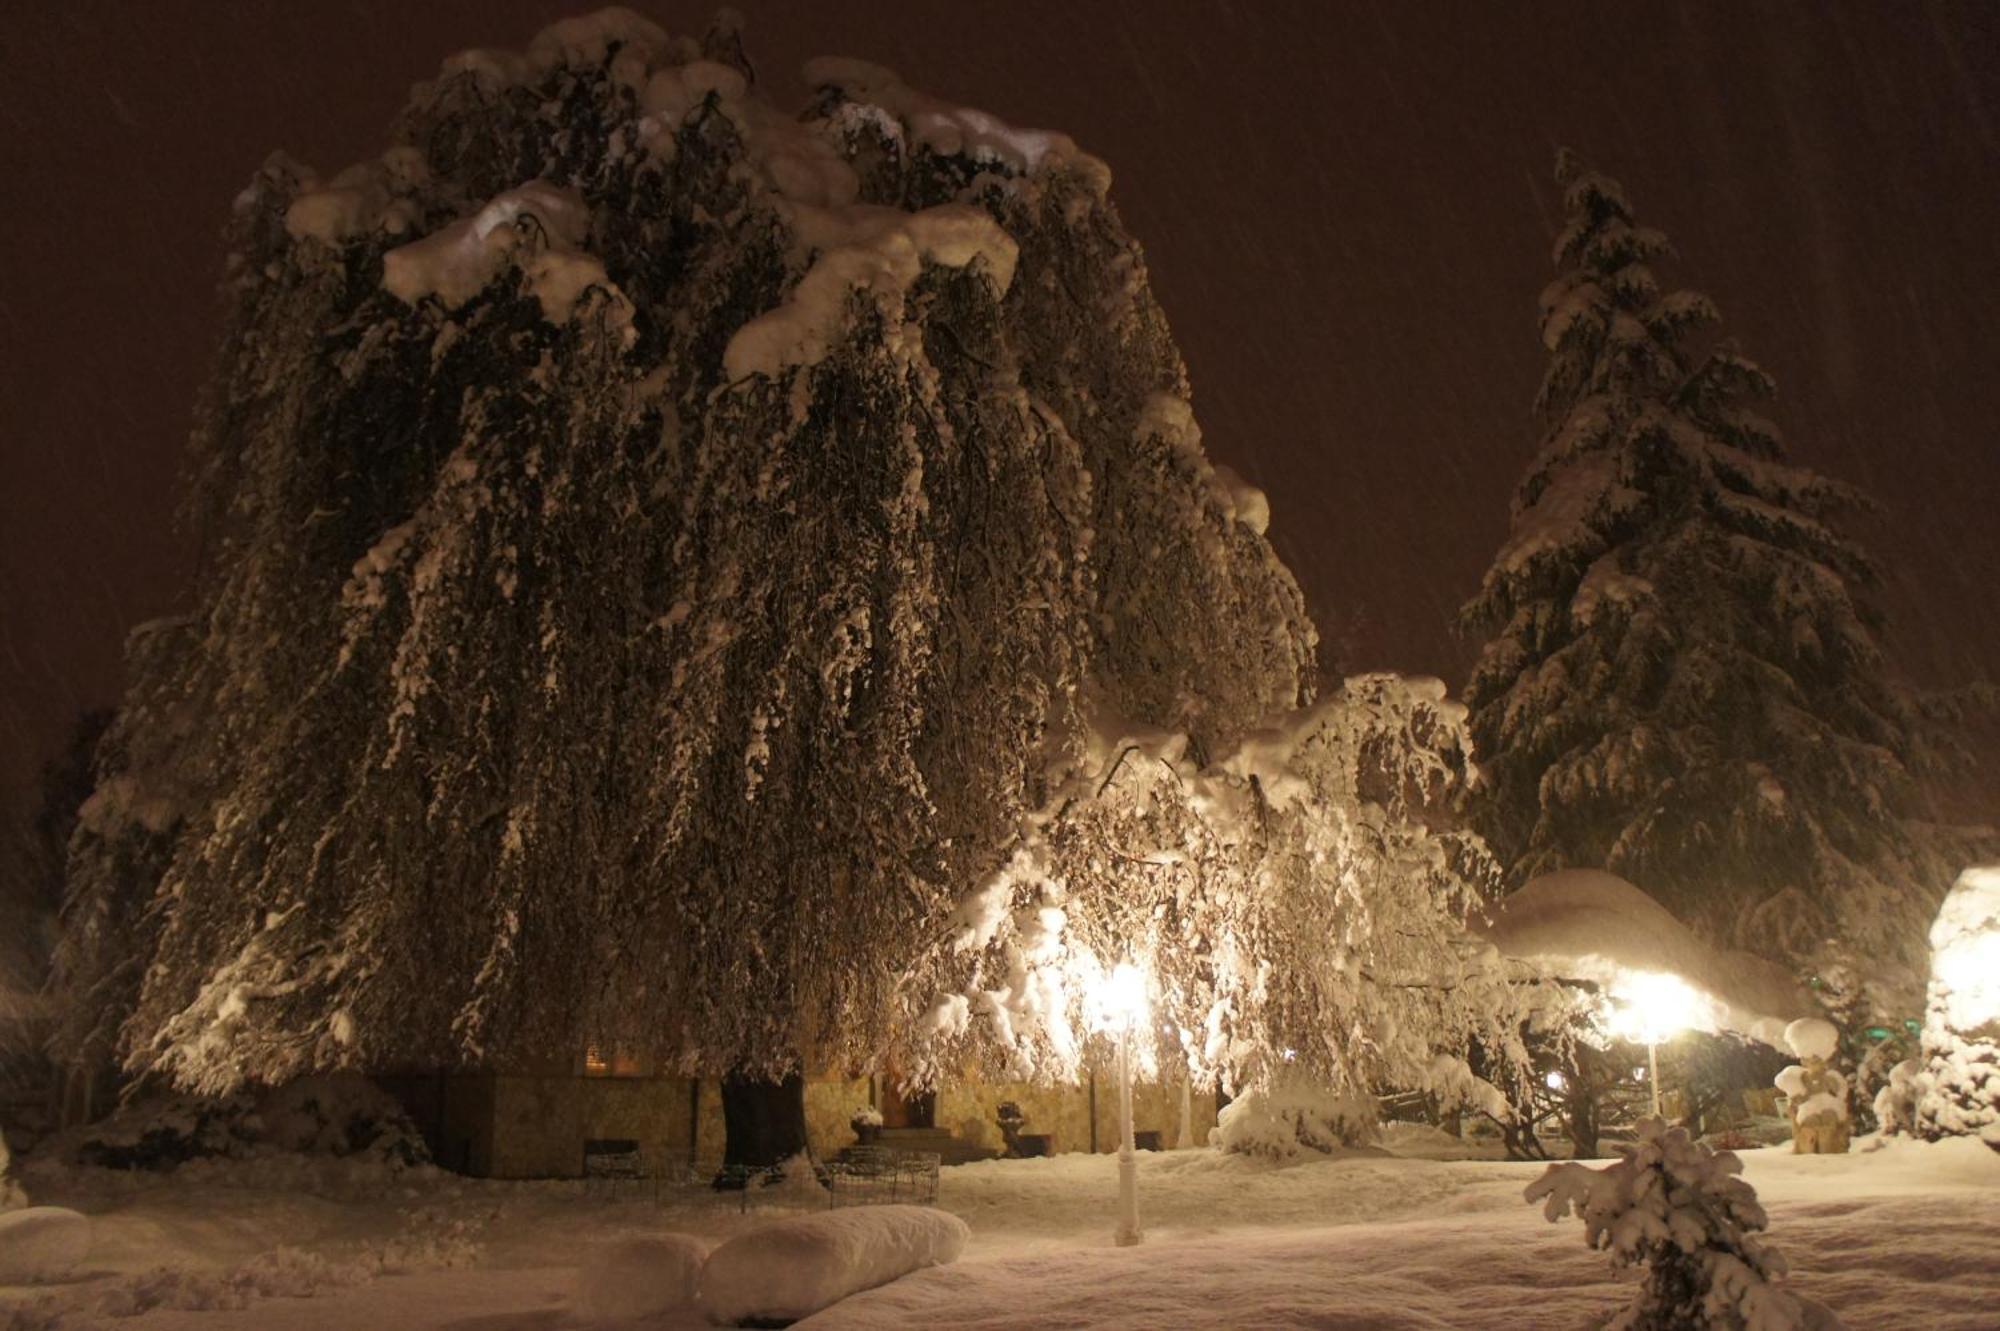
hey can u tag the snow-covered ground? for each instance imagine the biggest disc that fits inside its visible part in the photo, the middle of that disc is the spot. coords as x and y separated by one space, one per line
1896 1236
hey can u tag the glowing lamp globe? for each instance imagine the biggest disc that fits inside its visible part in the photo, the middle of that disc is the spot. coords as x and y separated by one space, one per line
1123 995
1649 1008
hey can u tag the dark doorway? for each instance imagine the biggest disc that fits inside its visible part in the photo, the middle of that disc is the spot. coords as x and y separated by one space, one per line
916 1110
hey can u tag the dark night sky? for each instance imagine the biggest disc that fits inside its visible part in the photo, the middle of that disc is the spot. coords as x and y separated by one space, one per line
1346 206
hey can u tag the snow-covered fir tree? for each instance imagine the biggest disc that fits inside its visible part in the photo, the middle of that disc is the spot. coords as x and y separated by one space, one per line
655 552
1681 679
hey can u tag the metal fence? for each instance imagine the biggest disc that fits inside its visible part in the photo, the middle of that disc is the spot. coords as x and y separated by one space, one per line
877 1176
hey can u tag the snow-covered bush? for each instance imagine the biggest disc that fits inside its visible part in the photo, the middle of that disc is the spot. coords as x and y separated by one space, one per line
165 1132
1677 1208
1959 1088
332 1115
1896 1102
1294 1120
341 1114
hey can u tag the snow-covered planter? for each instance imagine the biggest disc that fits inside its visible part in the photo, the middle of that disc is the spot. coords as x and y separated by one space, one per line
1294 1120
866 1120
1959 1087
1678 1208
1817 1094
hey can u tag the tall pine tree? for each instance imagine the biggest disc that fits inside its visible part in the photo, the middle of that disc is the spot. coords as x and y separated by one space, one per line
1682 680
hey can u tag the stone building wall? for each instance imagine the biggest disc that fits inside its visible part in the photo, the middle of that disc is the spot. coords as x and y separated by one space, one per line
533 1125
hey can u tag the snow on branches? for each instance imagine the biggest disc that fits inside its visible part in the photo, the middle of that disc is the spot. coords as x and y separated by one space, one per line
656 549
1298 901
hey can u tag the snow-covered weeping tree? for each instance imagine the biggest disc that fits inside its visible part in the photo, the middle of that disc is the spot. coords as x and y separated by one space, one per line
1681 680
654 553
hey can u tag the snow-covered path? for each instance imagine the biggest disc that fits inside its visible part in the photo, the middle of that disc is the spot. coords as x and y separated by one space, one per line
1903 1237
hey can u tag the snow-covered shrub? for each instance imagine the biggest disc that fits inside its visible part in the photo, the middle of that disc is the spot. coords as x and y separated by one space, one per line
341 1113
1959 1088
1677 1208
1896 1102
1293 1120
163 1133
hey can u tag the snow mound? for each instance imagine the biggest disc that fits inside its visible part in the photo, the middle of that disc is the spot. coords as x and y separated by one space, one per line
1588 925
1810 1037
42 1243
793 1268
641 1277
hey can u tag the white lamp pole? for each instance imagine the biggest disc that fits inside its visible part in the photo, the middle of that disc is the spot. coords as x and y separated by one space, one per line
1128 1161
1653 1073
1186 1142
1123 999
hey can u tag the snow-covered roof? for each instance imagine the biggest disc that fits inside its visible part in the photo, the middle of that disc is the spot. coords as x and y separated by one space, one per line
1589 925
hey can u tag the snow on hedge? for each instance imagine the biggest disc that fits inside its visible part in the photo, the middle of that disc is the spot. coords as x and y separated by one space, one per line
793 1268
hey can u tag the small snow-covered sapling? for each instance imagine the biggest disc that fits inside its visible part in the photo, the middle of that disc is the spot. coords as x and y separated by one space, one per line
1678 1208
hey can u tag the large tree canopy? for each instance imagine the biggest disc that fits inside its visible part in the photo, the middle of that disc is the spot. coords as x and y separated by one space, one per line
655 552
1682 680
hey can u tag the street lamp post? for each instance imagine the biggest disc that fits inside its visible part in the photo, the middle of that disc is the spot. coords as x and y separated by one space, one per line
1650 1008
1125 999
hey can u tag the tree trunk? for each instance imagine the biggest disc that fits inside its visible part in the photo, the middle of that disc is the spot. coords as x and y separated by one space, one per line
763 1125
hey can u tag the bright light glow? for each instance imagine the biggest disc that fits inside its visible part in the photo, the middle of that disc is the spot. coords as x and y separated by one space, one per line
1649 1008
1121 998
1555 1081
1969 966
